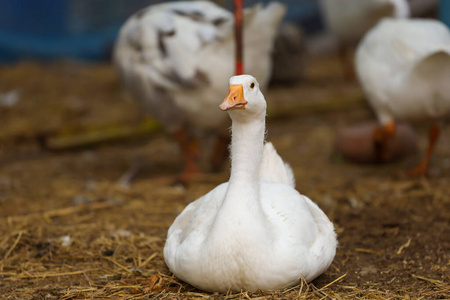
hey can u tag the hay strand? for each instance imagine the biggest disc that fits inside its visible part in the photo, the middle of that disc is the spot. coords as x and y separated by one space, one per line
406 245
11 249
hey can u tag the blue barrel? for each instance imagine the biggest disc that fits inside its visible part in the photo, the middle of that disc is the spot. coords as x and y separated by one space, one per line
444 11
55 29
31 17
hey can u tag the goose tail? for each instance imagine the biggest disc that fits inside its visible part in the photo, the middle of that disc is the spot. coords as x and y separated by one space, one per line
274 169
437 61
435 69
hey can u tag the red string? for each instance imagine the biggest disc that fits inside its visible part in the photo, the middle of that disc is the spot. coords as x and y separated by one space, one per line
238 35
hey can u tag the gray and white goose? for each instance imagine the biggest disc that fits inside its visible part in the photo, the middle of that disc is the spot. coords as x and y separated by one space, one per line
174 58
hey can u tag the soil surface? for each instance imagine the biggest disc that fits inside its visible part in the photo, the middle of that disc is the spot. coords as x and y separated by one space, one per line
70 230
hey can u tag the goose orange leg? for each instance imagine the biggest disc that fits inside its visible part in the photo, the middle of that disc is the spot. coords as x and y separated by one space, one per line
190 151
422 167
381 136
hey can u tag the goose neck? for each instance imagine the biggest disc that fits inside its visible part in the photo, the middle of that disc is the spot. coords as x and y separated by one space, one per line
246 152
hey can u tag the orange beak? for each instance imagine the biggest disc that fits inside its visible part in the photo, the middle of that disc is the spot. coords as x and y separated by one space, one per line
234 99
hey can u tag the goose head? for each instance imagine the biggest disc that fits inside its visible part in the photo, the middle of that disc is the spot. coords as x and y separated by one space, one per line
244 98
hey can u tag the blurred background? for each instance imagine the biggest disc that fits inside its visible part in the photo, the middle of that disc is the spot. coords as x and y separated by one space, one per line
45 45
72 141
86 29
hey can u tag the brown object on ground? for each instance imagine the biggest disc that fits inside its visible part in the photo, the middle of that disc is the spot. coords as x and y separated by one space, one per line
69 231
356 143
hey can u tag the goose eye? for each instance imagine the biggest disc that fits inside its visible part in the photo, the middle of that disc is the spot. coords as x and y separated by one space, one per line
252 85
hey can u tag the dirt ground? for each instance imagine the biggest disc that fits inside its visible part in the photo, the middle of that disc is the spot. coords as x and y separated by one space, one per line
69 230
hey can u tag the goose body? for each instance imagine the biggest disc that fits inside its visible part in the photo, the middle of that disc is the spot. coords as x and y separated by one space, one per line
254 231
404 68
349 20
174 58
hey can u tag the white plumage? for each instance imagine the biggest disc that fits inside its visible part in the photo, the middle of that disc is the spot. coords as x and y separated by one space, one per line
174 58
404 68
254 231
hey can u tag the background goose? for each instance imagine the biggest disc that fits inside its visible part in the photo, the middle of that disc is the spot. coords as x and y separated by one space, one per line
404 68
174 58
254 231
349 20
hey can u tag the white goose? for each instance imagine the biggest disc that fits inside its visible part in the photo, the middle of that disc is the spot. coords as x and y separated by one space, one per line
174 58
255 231
404 68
